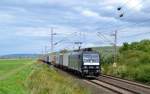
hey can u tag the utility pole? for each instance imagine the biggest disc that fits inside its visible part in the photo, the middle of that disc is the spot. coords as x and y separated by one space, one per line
80 44
45 50
115 47
120 15
52 39
52 44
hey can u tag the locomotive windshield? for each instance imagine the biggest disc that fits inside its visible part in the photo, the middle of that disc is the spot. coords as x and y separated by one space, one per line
91 59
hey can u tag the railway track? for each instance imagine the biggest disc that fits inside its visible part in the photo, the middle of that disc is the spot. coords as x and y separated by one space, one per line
128 81
117 85
110 87
121 86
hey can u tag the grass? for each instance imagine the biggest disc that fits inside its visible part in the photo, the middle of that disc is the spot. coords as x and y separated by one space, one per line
26 77
7 66
45 80
14 82
140 73
132 65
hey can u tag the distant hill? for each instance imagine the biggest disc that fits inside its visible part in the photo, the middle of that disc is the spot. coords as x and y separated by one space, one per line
10 56
105 50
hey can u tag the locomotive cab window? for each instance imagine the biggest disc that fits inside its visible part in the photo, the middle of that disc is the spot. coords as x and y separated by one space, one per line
91 59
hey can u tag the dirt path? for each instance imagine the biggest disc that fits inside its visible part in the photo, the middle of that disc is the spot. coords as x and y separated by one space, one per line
14 71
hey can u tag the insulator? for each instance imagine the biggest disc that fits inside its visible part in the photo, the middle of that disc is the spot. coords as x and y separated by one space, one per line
119 8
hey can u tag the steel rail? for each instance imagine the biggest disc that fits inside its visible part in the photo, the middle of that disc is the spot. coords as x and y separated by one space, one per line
127 81
130 86
104 86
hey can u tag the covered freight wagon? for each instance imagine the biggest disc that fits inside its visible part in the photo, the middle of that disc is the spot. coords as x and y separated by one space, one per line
66 59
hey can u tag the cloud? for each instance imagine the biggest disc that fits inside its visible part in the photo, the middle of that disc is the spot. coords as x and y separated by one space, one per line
29 21
89 13
45 31
134 4
94 15
6 18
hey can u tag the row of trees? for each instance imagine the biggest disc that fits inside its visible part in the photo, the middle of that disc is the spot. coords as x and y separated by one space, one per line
143 45
133 62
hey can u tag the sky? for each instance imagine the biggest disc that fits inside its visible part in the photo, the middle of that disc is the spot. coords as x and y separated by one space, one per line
25 25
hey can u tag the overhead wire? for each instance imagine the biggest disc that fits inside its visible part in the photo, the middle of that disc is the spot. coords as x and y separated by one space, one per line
104 38
139 34
124 13
134 24
65 38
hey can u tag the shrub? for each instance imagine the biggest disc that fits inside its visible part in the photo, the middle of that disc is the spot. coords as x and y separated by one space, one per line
133 62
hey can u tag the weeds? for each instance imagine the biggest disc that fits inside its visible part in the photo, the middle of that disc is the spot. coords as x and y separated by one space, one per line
46 80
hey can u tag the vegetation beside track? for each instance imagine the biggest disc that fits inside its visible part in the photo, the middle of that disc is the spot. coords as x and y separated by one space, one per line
133 62
46 80
21 76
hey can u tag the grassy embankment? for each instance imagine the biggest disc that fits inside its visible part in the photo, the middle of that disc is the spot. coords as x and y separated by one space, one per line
133 62
45 80
26 77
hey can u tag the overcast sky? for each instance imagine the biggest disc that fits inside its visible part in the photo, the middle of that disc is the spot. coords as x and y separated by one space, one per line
25 24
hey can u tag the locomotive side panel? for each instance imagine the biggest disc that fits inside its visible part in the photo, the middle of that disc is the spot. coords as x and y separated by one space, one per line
74 62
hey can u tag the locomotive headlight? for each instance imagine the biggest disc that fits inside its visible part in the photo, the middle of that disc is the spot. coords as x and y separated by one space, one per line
85 67
97 67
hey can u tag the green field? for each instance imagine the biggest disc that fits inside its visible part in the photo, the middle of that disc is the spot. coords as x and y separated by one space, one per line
32 77
7 66
13 74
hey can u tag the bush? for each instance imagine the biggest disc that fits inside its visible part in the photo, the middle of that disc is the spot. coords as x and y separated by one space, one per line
133 62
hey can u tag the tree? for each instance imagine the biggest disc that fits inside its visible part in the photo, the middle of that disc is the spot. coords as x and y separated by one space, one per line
124 47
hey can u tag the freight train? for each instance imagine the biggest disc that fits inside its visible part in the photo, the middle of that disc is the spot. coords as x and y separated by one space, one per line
84 61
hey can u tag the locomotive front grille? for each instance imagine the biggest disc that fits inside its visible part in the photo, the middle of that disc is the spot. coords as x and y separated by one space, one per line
91 67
